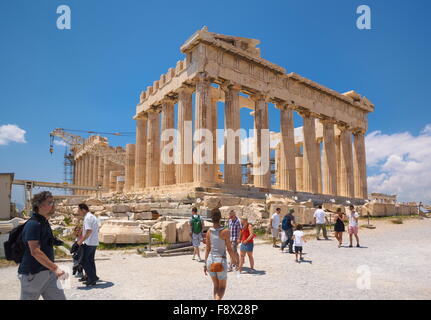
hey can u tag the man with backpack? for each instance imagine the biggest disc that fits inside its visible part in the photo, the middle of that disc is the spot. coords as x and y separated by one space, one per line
287 226
196 226
37 271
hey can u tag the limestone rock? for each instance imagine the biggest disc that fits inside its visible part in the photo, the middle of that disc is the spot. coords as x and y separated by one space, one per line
142 216
169 231
96 208
126 232
183 231
93 202
120 208
141 207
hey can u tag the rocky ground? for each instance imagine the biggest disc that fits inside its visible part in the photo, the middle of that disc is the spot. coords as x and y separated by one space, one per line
394 257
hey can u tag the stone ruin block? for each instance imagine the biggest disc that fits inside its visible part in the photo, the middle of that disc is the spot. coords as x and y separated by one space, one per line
183 231
169 231
122 232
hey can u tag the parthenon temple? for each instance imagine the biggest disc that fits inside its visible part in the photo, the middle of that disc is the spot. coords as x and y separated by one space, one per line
325 157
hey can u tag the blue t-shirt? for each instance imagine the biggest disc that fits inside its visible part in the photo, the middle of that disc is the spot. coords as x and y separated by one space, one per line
37 228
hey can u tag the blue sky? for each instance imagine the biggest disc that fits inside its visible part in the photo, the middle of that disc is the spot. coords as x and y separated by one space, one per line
90 77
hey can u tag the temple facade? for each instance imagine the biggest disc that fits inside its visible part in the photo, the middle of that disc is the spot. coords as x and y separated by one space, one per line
326 156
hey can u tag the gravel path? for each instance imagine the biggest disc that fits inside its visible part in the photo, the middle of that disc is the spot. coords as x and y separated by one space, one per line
397 258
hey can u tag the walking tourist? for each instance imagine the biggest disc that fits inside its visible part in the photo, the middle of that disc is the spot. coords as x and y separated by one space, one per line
196 227
339 226
298 241
320 221
287 225
217 243
37 271
274 224
247 244
89 243
353 225
234 229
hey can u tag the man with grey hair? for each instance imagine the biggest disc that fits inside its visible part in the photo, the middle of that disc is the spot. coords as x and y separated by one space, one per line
37 271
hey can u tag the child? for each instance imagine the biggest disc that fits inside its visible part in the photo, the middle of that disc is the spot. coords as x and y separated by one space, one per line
77 252
298 242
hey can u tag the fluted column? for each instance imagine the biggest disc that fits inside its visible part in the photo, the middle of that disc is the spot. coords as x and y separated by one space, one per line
203 169
167 165
87 172
130 168
77 175
329 158
287 149
346 164
232 141
153 149
107 168
100 171
95 171
113 174
214 111
360 166
119 187
319 167
262 177
338 157
140 153
310 175
184 167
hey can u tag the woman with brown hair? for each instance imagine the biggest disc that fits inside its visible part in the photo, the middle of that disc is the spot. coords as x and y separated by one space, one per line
217 242
339 227
247 244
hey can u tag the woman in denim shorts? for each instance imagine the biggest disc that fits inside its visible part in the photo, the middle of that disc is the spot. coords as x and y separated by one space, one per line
247 244
217 242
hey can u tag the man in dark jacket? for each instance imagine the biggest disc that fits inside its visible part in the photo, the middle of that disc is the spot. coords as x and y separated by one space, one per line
37 271
287 227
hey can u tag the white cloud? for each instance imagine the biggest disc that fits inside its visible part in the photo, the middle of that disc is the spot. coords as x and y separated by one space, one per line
60 143
11 133
402 162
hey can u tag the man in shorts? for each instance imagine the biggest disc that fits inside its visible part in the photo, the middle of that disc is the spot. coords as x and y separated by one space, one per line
196 227
274 224
353 225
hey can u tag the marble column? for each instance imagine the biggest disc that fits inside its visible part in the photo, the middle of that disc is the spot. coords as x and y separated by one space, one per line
100 171
214 113
338 159
130 168
140 153
184 167
346 164
299 161
329 158
360 166
113 174
153 149
107 168
232 142
310 175
167 165
203 169
119 187
287 149
86 171
95 171
262 179
77 175
319 166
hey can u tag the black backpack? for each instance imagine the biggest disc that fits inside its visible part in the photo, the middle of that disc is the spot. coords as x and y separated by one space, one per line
14 247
